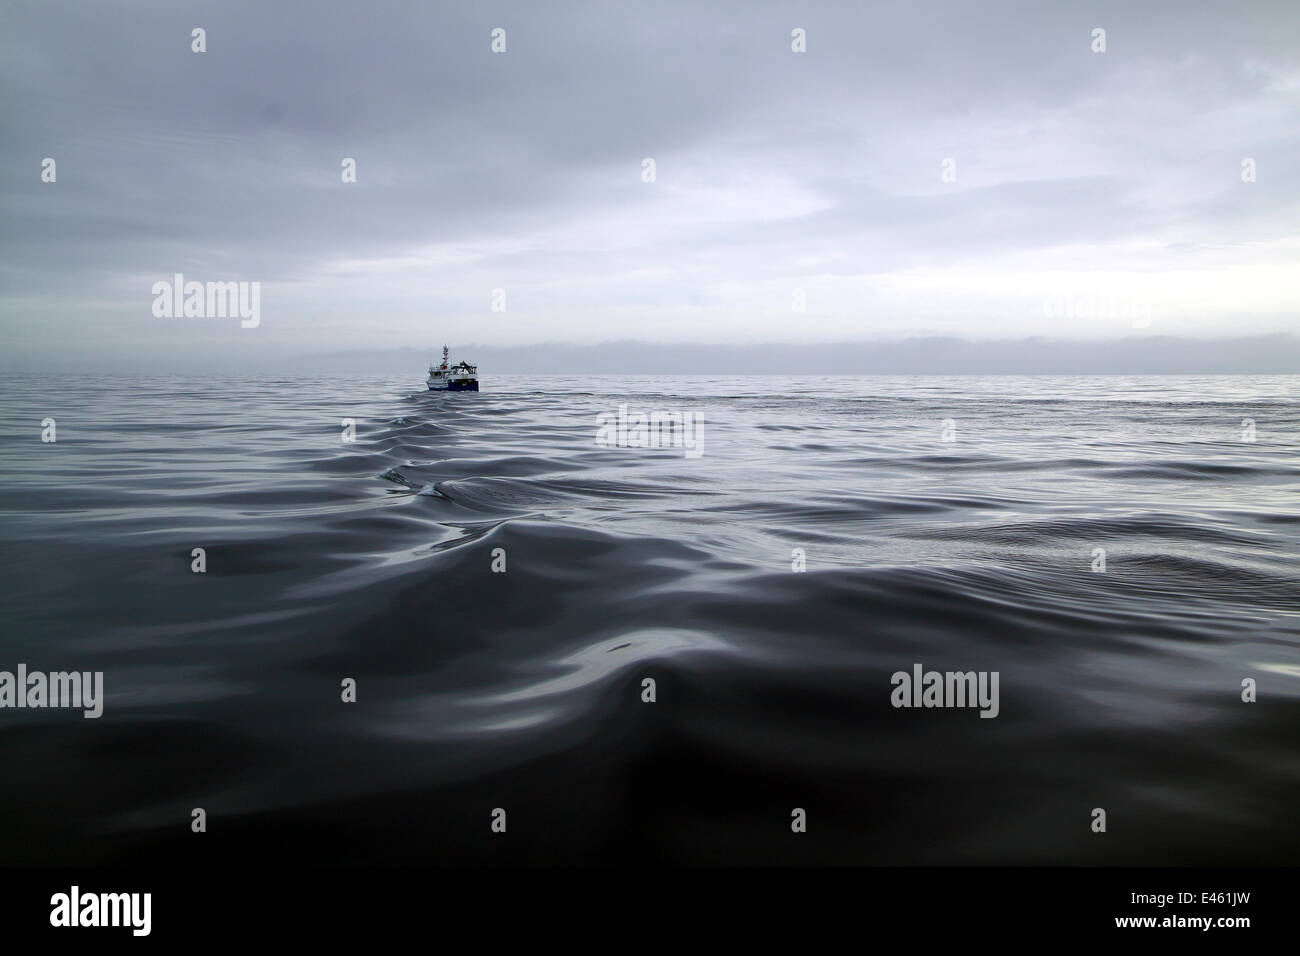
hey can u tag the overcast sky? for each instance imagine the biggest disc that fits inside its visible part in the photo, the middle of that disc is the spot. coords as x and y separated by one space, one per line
1096 195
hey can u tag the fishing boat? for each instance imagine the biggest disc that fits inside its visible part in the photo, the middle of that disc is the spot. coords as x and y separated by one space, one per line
461 377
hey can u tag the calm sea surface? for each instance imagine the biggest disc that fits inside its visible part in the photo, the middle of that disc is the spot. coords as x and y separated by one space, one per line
476 689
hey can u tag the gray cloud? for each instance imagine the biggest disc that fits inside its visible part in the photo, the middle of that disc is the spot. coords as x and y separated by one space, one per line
1111 174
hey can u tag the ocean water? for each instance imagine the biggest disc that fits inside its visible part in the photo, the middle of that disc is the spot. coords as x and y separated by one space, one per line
522 689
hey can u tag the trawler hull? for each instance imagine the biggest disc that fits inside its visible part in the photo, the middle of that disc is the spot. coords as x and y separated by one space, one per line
454 387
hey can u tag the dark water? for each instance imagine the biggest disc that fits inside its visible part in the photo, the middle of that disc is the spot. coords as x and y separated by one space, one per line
372 560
